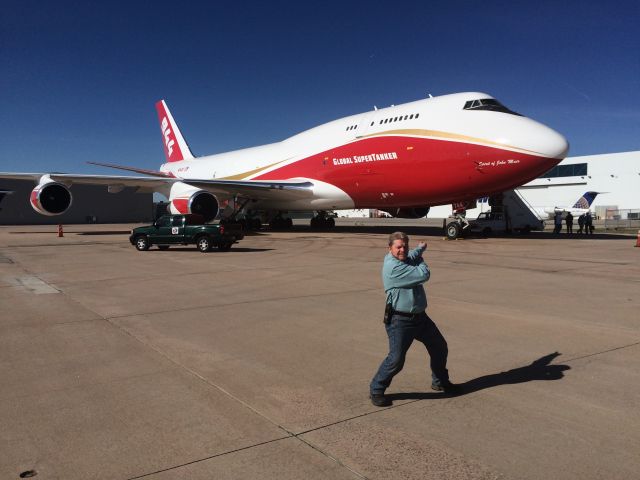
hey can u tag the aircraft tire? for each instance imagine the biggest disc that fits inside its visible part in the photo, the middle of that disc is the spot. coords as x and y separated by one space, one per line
453 230
256 224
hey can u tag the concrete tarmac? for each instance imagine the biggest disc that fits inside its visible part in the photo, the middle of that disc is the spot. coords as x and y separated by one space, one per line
255 363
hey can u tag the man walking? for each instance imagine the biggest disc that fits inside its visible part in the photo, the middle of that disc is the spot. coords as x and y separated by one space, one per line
588 223
569 221
403 274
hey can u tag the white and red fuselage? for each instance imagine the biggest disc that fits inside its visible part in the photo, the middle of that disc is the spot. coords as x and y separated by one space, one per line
423 153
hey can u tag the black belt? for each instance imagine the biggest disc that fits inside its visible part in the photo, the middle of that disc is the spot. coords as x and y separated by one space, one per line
404 314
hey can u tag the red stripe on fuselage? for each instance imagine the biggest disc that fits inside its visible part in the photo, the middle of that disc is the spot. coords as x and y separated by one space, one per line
416 171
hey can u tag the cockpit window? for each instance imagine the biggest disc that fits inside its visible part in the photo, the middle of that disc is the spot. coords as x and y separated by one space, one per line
490 104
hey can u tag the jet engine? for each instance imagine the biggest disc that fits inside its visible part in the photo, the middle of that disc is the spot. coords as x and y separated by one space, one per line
50 198
185 199
415 212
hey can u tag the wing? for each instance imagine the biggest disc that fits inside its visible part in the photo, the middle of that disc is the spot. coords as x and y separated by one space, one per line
254 189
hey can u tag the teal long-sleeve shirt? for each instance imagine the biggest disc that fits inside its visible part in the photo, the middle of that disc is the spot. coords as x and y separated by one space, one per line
403 281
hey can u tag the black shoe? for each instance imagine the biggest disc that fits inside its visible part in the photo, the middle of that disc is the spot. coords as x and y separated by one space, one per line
380 400
448 387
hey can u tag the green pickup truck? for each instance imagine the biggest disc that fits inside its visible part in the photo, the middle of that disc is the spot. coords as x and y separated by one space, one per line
185 230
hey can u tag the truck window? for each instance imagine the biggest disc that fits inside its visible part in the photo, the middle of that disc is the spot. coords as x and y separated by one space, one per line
177 221
164 222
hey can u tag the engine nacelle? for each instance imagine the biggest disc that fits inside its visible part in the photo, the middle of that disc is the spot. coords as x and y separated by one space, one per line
185 199
50 198
415 212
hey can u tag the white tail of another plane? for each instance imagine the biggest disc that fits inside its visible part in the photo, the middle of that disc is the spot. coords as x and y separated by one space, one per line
175 146
582 205
585 200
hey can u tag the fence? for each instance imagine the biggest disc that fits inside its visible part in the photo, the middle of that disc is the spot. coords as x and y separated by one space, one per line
616 219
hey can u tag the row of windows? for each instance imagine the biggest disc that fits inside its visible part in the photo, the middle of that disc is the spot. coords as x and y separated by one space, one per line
575 170
387 120
397 119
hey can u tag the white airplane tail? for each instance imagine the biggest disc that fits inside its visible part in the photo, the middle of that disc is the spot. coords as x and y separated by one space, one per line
175 146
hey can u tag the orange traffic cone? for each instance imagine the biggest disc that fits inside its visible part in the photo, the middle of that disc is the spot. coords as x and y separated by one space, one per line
638 239
60 232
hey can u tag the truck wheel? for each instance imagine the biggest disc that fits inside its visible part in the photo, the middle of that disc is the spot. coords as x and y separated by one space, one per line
453 230
142 243
203 244
224 247
163 247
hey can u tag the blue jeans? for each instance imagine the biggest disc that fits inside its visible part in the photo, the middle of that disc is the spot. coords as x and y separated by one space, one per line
401 332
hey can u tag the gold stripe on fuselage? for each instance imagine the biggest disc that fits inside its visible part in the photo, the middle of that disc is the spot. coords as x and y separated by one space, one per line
452 136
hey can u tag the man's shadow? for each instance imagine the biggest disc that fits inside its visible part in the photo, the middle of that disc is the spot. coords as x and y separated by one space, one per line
538 370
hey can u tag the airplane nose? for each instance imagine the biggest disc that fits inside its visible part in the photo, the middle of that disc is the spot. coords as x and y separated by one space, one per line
556 145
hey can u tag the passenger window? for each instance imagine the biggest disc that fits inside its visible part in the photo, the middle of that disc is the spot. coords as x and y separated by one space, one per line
417 115
177 221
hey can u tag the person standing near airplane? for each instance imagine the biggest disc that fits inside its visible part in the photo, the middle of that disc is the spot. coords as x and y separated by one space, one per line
588 223
569 221
580 223
557 222
405 319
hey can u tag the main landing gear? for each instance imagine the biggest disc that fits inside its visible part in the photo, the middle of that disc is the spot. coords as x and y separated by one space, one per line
322 221
280 223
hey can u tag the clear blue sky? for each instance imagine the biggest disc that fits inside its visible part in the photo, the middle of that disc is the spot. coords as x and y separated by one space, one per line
79 79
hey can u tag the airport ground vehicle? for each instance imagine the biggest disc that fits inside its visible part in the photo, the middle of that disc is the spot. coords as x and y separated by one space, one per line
509 213
185 230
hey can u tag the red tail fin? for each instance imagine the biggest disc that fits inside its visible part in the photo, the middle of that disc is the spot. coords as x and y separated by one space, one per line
175 147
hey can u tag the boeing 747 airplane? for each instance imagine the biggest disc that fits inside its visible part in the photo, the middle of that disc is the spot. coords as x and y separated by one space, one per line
401 159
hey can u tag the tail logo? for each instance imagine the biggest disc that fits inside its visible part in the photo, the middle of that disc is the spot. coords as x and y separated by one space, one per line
166 132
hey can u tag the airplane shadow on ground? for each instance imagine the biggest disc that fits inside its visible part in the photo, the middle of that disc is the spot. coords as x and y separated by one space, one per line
434 231
538 370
